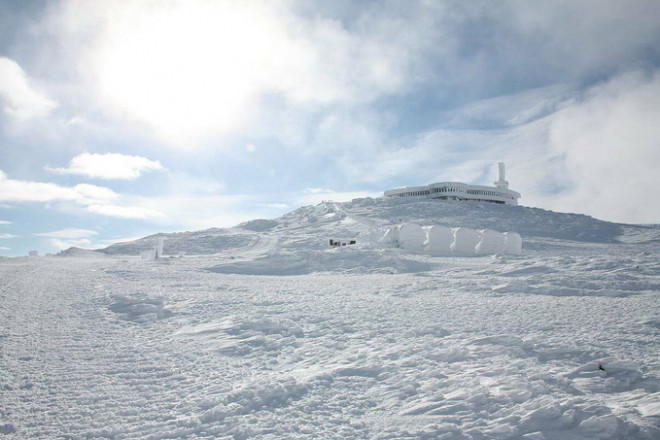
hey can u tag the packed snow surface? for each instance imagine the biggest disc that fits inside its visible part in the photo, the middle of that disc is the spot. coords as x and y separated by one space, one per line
264 331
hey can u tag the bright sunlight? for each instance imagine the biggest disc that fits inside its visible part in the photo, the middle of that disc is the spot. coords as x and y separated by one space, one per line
193 69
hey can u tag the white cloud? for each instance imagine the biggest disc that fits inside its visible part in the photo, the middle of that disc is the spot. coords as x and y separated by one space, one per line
592 154
109 166
95 199
128 212
5 222
19 98
6 236
186 70
25 191
93 194
69 233
61 245
193 70
609 141
3 248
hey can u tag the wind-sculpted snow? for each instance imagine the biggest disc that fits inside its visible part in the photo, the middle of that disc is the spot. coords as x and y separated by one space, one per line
139 307
354 260
271 333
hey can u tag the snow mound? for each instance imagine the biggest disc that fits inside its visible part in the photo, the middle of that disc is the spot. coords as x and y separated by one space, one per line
259 396
242 335
605 376
140 308
345 260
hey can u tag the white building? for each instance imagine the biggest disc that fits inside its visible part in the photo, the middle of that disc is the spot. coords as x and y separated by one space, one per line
500 193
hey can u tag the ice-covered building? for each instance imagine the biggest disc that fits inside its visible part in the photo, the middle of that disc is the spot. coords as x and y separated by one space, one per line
500 193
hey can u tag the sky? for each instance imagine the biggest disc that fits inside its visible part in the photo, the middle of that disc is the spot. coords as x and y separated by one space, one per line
126 118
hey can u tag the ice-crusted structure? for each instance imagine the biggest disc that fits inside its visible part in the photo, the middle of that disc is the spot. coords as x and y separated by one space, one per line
441 240
500 193
156 252
492 242
512 243
465 241
411 237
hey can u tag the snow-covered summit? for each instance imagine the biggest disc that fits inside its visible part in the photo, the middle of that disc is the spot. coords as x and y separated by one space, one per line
311 227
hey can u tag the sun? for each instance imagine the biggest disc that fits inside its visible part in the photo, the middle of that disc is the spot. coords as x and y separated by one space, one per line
194 68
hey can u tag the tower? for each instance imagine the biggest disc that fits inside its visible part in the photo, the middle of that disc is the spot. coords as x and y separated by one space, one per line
502 183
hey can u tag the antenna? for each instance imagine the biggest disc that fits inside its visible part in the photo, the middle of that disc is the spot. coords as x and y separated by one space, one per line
502 183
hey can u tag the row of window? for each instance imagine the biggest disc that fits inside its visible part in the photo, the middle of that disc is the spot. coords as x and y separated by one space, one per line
414 193
451 189
483 192
446 189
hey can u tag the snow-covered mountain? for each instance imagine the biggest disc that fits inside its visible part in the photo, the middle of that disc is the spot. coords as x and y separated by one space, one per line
311 227
298 242
264 331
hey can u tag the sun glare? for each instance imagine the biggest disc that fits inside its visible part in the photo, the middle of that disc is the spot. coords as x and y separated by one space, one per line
192 69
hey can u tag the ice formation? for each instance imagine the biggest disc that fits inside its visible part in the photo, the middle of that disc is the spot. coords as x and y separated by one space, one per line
492 242
411 237
440 240
512 243
159 247
465 241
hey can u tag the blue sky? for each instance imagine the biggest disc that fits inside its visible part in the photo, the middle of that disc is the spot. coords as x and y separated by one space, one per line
125 118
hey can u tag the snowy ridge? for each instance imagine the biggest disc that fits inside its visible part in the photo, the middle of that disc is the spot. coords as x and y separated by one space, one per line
354 342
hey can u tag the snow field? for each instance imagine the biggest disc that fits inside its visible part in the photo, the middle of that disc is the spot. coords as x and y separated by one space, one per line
263 331
123 349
